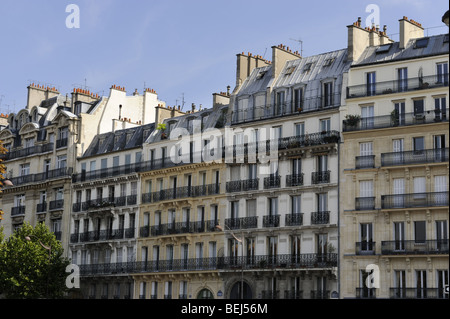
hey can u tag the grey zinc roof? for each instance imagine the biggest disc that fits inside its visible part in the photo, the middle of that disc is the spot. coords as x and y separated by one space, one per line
253 85
318 71
436 46
119 140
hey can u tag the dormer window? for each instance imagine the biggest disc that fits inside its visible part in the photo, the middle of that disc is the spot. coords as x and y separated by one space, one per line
421 43
383 48
260 75
29 142
289 70
307 67
329 62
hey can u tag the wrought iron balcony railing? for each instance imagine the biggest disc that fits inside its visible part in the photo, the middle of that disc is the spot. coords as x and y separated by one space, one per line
396 86
320 177
294 219
40 177
365 248
241 223
61 142
41 207
434 199
414 247
57 204
365 293
102 235
294 180
367 161
365 203
286 261
179 228
415 157
320 294
271 221
320 218
387 121
17 210
181 192
293 294
273 181
23 152
417 293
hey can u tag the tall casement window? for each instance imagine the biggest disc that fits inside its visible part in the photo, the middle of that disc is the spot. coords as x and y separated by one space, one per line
297 100
279 103
327 94
398 117
440 105
402 79
366 234
419 107
370 83
367 116
299 129
325 125
442 73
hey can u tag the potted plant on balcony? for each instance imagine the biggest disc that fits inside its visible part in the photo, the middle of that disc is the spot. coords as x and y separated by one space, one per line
162 127
352 120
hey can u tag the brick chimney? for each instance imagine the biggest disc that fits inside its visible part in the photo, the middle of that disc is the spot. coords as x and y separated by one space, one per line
409 29
245 65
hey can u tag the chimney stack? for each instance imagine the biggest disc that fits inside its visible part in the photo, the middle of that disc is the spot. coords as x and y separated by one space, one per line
409 29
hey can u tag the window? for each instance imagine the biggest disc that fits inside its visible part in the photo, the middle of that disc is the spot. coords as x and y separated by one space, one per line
25 169
325 125
62 161
260 75
296 204
419 144
327 95
234 210
402 79
421 43
279 103
367 116
419 108
273 206
307 67
366 189
296 166
29 142
299 129
366 149
251 207
383 48
399 235
397 148
419 231
421 284
63 133
440 105
298 100
366 237
370 83
399 113
328 62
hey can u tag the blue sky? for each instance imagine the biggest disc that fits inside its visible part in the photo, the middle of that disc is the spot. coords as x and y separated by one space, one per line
175 47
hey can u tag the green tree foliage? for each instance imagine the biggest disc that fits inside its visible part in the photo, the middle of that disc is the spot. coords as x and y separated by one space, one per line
27 268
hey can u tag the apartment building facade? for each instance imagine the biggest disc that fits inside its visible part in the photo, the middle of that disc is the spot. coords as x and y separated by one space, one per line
394 168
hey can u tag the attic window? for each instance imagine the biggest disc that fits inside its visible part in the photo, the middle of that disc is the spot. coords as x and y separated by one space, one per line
329 62
289 70
307 67
383 48
260 75
421 43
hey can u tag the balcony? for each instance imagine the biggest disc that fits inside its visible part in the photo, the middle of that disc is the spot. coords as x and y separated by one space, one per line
241 223
320 177
397 86
271 221
57 204
415 157
234 186
293 294
294 180
414 247
272 181
64 172
310 104
320 218
388 121
250 184
294 219
23 152
18 211
41 207
270 294
320 294
181 192
417 293
286 261
102 235
367 161
365 248
179 228
435 199
365 203
365 293
61 142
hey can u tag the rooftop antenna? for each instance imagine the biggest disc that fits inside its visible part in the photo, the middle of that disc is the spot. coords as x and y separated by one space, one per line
301 45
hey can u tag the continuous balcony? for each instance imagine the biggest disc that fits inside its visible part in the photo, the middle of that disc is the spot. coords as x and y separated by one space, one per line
23 152
417 293
64 172
179 228
414 200
414 247
241 223
102 235
439 155
181 192
397 86
388 121
284 261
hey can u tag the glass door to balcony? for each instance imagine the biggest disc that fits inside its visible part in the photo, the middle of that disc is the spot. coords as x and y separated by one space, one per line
441 236
400 284
398 191
367 245
370 83
402 82
399 236
397 148
442 282
421 284
398 117
367 117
